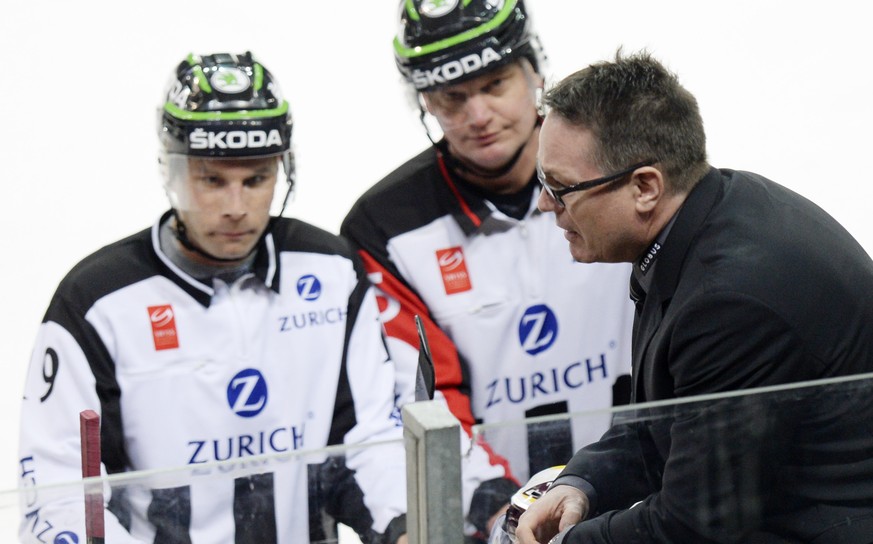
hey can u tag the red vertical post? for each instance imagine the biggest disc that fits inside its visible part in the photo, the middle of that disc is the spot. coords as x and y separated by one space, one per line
89 428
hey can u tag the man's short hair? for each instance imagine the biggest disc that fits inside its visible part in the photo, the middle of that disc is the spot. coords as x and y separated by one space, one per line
636 110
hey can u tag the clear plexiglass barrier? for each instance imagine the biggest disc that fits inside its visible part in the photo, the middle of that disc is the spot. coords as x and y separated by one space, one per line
769 448
722 463
293 497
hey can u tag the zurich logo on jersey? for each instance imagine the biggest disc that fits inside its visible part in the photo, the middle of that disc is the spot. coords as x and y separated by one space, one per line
308 287
247 393
537 329
67 537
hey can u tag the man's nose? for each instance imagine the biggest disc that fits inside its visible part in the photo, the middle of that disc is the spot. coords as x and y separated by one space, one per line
478 109
235 201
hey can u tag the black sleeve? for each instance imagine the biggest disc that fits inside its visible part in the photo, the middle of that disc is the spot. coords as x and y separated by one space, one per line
339 496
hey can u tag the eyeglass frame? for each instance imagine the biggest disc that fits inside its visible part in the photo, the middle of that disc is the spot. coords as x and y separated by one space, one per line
558 194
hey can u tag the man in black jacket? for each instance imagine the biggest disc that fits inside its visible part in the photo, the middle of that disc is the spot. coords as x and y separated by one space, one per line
739 283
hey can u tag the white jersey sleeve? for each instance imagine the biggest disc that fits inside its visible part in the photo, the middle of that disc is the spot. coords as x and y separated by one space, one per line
58 387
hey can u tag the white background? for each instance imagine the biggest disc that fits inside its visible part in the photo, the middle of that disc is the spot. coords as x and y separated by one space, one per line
784 88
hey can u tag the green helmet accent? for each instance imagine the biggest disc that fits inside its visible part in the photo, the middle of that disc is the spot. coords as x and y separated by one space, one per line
443 42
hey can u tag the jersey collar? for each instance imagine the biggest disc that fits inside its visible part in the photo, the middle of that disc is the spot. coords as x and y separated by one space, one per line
265 267
473 212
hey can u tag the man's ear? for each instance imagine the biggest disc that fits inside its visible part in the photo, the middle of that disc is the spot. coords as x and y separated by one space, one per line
649 188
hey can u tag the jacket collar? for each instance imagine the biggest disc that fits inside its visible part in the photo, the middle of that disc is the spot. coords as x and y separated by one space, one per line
688 222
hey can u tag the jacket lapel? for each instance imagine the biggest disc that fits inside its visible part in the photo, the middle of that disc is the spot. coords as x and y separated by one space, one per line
689 220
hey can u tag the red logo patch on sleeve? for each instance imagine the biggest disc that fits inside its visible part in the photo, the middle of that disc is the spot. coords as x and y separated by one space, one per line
456 279
163 322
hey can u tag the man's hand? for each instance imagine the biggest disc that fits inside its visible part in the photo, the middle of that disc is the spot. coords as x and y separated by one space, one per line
560 507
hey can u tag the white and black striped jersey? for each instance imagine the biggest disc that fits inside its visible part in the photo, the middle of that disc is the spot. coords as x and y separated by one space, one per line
184 373
516 327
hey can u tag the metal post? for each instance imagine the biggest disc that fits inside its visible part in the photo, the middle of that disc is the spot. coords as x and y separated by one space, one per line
433 474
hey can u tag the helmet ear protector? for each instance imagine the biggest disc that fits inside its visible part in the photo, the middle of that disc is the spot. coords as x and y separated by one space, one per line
450 41
225 106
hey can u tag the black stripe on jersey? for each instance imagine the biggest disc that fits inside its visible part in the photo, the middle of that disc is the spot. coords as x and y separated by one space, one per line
367 225
294 235
337 493
409 207
322 527
170 513
549 443
340 497
107 270
254 510
344 405
416 194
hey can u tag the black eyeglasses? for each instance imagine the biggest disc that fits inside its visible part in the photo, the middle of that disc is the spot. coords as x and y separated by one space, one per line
558 193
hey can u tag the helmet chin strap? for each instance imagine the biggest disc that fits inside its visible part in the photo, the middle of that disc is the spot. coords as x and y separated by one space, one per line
181 232
464 167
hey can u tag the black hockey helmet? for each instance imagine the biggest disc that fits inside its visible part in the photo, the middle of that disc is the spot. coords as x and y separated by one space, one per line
225 105
442 42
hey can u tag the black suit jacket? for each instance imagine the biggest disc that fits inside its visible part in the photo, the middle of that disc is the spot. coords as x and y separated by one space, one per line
754 286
